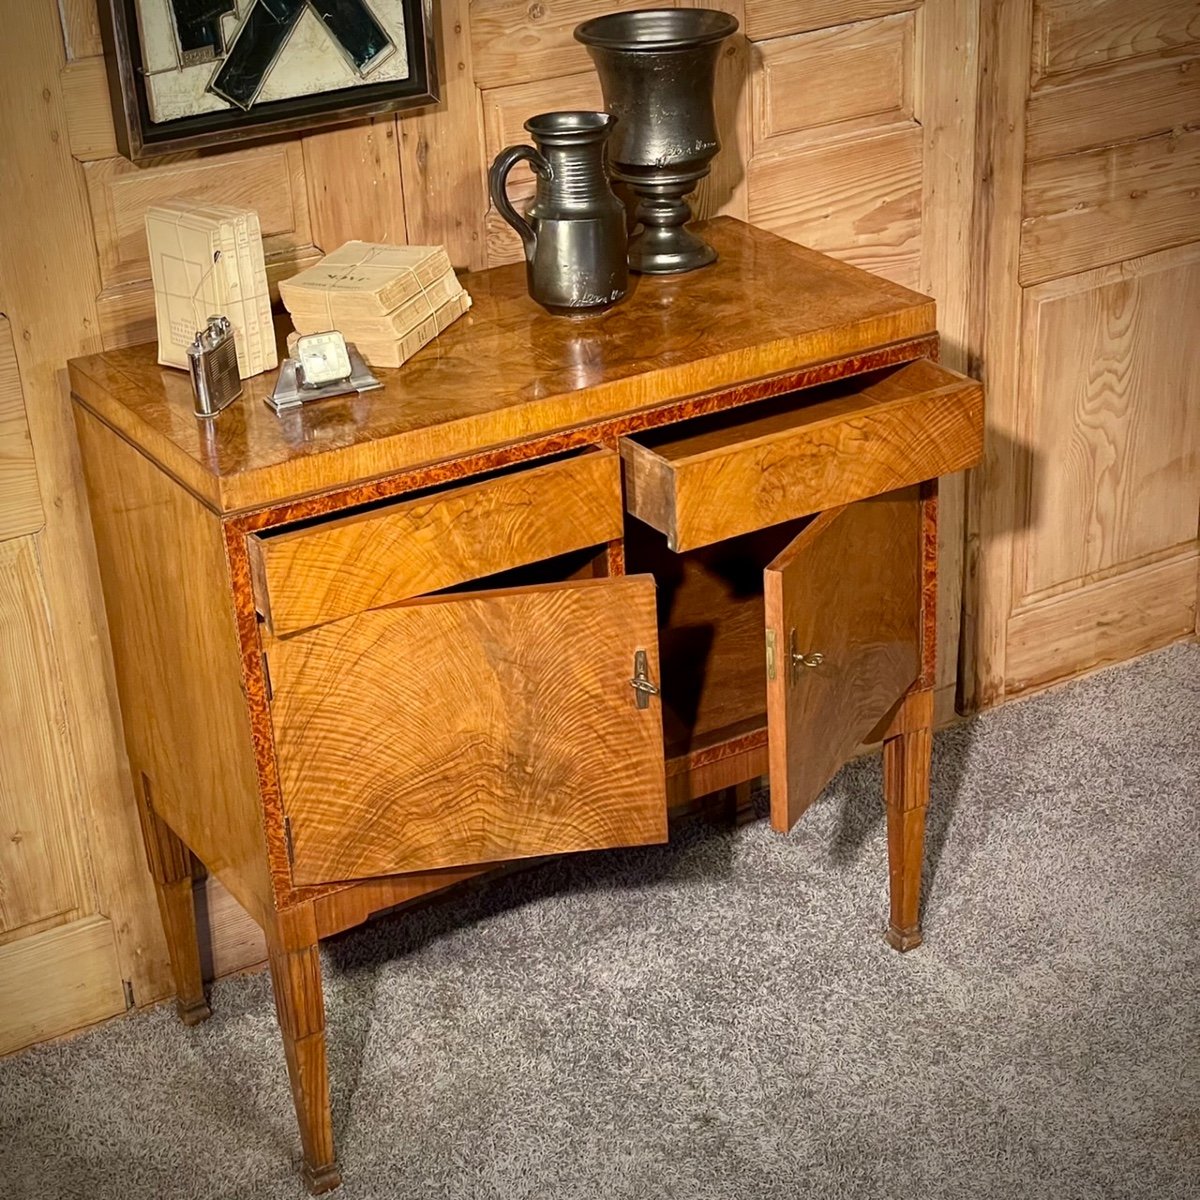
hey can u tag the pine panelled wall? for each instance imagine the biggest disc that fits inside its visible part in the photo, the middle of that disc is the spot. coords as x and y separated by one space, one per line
1032 165
1084 545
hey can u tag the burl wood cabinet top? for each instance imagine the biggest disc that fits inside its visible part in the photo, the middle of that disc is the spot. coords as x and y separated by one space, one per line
510 373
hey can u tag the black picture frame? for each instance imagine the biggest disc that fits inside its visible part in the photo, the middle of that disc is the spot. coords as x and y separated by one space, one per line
141 140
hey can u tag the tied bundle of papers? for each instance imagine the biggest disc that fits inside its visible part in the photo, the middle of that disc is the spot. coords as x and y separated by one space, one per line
206 260
388 300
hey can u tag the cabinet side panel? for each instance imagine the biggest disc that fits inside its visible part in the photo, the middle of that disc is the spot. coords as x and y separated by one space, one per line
170 616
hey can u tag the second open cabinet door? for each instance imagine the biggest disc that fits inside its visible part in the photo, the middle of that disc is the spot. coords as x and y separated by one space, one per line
843 627
471 728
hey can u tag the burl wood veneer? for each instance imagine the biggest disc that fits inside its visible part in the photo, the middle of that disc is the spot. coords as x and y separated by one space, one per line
555 578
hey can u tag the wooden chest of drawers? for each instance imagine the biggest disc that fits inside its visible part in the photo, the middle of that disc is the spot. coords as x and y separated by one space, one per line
555 579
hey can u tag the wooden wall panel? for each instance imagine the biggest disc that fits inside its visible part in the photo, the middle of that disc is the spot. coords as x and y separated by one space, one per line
352 175
48 283
777 18
90 127
1140 101
442 153
269 179
506 109
513 41
1116 423
1072 35
853 73
1106 622
1086 210
20 504
80 28
858 199
1084 518
39 859
57 981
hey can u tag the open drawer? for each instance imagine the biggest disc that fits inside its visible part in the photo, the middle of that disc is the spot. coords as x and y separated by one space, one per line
332 568
749 468
471 728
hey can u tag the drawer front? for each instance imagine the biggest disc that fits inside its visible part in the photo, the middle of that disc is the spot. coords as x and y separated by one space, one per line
310 576
471 729
751 468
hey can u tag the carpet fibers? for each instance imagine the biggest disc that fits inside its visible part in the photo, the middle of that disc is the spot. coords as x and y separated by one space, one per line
719 1019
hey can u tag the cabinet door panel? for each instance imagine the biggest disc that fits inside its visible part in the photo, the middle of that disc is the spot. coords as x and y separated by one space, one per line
843 628
470 729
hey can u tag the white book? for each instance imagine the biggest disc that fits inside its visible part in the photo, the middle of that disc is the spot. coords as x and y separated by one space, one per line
207 260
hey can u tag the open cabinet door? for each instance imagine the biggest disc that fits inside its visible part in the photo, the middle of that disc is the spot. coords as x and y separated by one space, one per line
843 625
471 728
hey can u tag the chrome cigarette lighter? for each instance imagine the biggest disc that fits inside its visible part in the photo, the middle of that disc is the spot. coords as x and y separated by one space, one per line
212 362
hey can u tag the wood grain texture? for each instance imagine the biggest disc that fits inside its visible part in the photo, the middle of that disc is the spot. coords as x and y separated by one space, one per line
1147 98
1118 421
1142 609
57 981
995 320
1103 206
300 1009
860 74
268 179
354 187
177 661
442 153
471 729
1073 35
89 115
849 586
857 198
777 18
513 41
48 282
20 504
171 867
510 371
906 760
41 872
750 469
945 99
80 28
351 564
230 939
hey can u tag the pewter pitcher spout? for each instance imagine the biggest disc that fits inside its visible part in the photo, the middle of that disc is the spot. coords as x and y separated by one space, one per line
574 233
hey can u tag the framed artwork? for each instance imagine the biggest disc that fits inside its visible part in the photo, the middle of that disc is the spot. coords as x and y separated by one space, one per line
186 74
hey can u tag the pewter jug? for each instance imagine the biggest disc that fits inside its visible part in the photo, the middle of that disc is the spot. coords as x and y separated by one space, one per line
574 233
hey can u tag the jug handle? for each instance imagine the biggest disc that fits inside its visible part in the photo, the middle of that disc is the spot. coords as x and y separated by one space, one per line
498 187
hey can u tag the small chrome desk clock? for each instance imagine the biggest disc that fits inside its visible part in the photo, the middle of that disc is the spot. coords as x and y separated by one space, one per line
324 365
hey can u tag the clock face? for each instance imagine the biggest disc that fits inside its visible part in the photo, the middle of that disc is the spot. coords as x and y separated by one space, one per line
323 357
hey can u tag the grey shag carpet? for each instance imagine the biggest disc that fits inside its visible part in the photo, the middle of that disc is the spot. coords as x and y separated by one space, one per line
719 1019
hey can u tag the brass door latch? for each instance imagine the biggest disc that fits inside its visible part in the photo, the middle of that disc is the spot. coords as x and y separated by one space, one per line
797 661
642 687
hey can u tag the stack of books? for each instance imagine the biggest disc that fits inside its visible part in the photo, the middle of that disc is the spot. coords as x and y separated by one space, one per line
388 300
206 260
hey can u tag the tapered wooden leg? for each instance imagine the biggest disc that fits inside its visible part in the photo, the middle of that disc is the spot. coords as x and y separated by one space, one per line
300 1006
906 757
171 867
